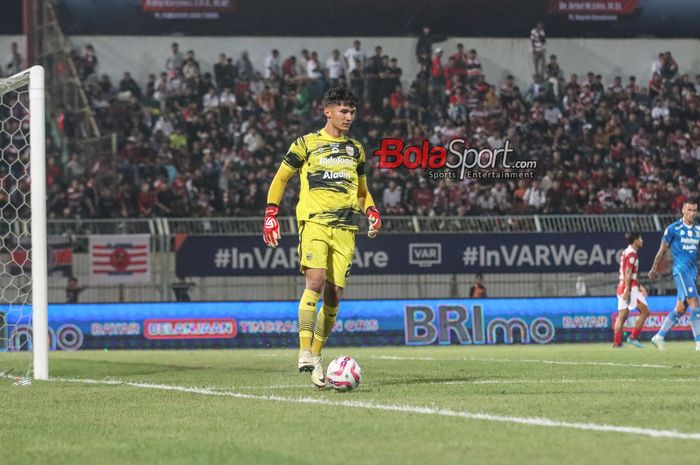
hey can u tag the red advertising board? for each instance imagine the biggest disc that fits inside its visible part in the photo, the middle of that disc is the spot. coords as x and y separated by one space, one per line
614 7
188 6
190 328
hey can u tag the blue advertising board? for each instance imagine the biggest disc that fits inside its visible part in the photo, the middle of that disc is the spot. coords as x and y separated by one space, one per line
418 254
360 323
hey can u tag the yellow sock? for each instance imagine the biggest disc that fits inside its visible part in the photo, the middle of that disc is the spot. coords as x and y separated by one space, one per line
324 326
307 318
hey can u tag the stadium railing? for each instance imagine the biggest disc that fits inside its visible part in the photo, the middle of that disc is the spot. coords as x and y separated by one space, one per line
163 232
392 224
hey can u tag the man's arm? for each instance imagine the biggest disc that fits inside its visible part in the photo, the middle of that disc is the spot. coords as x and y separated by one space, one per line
657 260
367 205
628 280
271 227
363 196
279 182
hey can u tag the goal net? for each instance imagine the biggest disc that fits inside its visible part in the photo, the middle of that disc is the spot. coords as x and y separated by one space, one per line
23 264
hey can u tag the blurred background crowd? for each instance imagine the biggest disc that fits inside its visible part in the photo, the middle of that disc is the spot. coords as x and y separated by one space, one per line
197 142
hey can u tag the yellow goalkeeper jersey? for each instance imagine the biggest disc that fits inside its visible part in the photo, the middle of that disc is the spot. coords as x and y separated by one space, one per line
329 169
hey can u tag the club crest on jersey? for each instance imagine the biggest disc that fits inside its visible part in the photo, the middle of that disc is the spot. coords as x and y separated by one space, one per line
350 150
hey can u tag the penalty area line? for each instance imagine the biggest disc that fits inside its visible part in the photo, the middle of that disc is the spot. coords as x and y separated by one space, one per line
353 404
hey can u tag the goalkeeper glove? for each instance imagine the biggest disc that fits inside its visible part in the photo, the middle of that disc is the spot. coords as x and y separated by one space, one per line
375 222
271 227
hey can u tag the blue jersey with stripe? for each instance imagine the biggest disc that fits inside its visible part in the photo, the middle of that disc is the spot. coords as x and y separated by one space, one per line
683 241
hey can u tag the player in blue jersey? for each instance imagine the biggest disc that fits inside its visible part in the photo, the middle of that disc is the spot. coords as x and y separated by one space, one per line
682 237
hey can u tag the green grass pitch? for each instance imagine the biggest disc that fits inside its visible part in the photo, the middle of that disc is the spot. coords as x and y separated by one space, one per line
556 404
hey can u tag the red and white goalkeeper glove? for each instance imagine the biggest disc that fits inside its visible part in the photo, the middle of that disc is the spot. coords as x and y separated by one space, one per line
271 227
375 222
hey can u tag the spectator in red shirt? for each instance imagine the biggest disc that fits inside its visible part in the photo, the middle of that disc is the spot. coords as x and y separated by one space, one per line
423 198
460 60
397 98
146 200
438 77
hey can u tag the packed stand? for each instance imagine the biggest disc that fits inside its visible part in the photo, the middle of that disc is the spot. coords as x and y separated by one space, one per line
197 143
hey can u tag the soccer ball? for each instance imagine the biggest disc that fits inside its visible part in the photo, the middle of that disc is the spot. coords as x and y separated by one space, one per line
343 373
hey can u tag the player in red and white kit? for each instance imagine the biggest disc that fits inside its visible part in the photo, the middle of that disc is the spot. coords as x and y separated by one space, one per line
630 294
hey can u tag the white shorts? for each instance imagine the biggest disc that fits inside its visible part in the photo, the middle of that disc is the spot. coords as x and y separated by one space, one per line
635 297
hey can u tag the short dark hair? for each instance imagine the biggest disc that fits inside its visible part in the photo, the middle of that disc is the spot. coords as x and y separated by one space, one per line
339 96
632 236
691 200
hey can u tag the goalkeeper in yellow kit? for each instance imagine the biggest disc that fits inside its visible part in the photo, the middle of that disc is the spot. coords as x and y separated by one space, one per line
332 199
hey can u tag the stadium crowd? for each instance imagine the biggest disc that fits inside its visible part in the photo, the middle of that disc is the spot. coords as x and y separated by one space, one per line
206 142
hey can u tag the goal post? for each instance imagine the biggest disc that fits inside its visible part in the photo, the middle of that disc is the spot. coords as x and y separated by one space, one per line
37 169
23 234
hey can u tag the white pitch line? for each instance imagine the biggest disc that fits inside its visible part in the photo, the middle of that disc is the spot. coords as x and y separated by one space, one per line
271 386
508 360
561 362
473 382
561 381
529 421
484 381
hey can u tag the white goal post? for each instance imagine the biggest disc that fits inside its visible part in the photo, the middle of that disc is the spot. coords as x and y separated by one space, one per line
37 167
22 110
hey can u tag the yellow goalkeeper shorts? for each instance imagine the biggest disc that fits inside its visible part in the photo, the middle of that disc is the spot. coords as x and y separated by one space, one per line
326 247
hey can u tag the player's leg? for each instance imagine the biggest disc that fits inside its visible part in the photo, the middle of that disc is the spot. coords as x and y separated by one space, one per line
324 327
326 317
674 315
623 309
669 322
619 325
313 252
339 263
694 319
643 310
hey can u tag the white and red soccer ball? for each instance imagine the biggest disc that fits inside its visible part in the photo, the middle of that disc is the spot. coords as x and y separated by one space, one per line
343 373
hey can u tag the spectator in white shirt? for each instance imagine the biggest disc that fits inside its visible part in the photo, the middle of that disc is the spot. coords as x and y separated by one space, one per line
252 140
13 64
174 62
660 110
313 68
210 100
303 62
391 198
552 114
273 67
537 41
496 140
164 124
499 193
336 68
624 193
486 202
353 54
534 196
227 98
